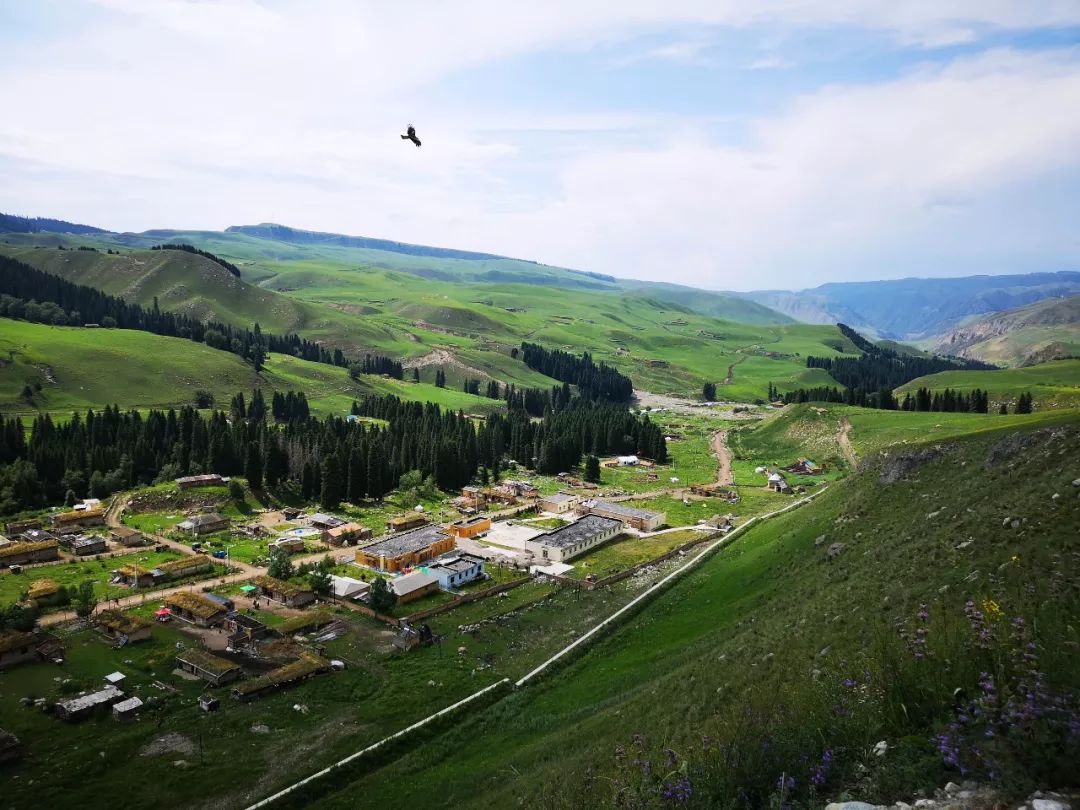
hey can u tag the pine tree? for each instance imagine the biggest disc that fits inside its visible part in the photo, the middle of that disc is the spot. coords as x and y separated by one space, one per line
357 475
307 481
333 488
592 469
253 466
374 476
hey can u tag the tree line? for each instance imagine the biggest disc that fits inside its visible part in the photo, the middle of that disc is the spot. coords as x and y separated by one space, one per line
924 400
593 381
332 459
206 254
877 368
33 295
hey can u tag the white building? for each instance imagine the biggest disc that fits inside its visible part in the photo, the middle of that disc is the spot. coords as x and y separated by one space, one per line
455 570
348 588
557 504
575 539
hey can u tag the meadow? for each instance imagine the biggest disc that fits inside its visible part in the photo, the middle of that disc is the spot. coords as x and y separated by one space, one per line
72 574
1055 384
716 663
81 368
334 295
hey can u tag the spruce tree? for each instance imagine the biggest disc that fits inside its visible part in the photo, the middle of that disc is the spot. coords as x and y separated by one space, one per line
253 466
332 485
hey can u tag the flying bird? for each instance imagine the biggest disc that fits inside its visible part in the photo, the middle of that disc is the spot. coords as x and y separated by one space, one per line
410 135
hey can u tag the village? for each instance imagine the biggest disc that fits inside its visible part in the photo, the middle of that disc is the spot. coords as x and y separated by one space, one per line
235 610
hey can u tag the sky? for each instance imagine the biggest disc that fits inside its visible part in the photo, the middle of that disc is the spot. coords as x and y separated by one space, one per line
719 143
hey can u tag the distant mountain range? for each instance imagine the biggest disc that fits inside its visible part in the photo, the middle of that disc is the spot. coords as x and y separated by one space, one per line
916 308
1046 330
936 312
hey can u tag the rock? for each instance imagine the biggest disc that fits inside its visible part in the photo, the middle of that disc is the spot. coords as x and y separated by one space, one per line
932 515
952 787
851 806
1049 804
1006 521
881 748
1015 524
1055 496
1076 482
180 763
901 806
260 728
925 803
819 540
965 544
898 467
835 549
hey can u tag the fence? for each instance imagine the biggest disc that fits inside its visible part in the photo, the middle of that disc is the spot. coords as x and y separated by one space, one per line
465 599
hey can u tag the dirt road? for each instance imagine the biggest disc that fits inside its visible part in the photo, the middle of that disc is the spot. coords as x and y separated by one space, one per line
724 476
843 438
731 372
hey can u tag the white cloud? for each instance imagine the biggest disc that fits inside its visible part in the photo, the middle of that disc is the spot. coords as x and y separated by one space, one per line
769 63
204 114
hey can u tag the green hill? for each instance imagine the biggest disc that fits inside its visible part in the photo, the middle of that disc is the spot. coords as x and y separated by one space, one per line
90 368
776 650
1045 330
1052 384
465 326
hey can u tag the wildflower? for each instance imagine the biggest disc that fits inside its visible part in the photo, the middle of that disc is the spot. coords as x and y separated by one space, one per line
785 782
678 791
992 609
1015 559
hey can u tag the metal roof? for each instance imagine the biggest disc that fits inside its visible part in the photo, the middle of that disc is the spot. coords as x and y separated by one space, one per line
620 509
406 542
577 532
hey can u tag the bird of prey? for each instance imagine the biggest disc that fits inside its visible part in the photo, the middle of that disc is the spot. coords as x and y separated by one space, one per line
410 135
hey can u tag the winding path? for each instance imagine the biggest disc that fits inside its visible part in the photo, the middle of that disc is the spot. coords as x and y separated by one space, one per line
843 438
731 372
724 476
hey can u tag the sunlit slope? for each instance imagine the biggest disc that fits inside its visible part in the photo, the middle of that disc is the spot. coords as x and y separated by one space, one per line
90 368
756 622
466 329
1052 384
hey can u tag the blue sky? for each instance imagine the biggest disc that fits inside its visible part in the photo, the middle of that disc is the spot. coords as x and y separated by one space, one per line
720 144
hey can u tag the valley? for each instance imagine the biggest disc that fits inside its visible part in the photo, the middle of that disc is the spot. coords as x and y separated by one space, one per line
659 579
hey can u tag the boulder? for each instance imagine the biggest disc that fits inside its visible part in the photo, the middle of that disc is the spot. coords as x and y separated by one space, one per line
852 806
1049 804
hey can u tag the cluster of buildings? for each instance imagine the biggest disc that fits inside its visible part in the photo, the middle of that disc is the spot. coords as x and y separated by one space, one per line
505 493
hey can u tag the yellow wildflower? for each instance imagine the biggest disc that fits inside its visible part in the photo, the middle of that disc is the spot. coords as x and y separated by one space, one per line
992 609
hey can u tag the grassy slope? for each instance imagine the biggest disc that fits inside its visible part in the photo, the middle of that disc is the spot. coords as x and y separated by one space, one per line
342 296
1053 384
93 368
811 430
1027 334
688 658
188 283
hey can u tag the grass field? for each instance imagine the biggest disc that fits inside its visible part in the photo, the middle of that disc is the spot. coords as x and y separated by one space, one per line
748 628
1052 385
83 368
625 552
71 574
322 294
